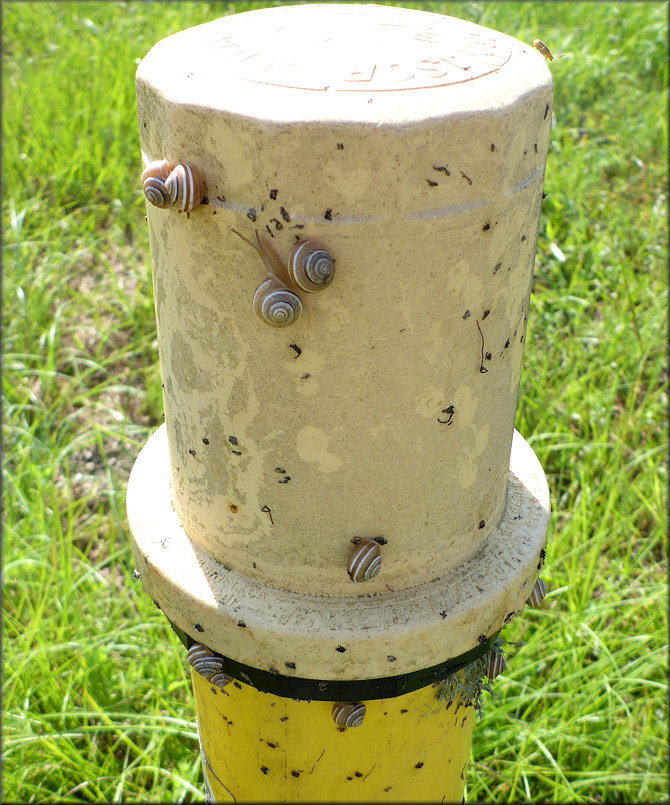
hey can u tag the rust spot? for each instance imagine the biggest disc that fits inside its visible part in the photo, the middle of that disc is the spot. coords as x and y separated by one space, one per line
233 508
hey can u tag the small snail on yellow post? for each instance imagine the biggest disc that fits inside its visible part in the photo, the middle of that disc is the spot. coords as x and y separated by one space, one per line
495 664
274 302
153 183
185 188
544 50
208 664
348 714
310 266
166 186
537 595
365 561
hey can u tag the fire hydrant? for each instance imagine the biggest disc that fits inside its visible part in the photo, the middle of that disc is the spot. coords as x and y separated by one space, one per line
338 516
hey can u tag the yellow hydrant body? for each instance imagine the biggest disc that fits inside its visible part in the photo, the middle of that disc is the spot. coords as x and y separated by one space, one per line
338 515
257 746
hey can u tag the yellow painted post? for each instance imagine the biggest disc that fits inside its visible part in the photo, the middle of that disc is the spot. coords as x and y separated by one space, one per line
338 516
257 746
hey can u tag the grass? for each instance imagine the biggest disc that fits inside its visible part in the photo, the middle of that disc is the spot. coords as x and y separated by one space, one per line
97 703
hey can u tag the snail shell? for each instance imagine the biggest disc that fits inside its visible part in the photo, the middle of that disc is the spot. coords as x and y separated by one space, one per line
220 680
185 188
539 591
365 560
275 303
495 664
310 266
153 183
208 664
348 714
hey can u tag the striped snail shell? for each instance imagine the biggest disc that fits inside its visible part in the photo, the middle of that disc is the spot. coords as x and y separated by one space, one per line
208 664
185 188
220 679
495 664
348 714
365 560
310 266
153 183
275 303
539 591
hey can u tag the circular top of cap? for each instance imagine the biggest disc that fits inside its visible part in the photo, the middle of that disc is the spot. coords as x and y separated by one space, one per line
334 62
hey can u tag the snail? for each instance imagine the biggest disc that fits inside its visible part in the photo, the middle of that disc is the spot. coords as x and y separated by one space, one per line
274 301
153 183
544 50
539 591
208 664
348 714
310 266
365 560
495 664
185 188
167 186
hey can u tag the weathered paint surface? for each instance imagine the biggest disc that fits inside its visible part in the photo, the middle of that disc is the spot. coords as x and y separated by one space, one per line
302 635
266 748
388 408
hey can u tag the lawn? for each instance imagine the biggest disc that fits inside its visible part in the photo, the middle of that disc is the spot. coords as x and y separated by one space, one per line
96 697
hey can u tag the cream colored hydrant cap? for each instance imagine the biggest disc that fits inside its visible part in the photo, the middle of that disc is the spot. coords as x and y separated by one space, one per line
410 146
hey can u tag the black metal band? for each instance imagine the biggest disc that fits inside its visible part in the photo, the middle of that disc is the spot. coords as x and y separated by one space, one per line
337 690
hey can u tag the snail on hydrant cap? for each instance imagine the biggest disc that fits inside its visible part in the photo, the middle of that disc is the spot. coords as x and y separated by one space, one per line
311 268
208 664
365 560
166 186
